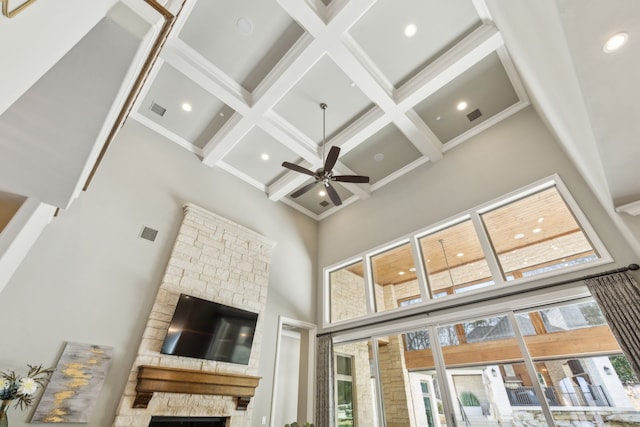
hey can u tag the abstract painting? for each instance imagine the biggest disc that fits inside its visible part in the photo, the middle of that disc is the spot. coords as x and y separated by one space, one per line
74 387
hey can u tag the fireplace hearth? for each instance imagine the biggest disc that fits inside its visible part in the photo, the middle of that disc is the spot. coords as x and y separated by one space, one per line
188 422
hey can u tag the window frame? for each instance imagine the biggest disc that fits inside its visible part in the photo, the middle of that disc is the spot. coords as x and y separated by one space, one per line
501 284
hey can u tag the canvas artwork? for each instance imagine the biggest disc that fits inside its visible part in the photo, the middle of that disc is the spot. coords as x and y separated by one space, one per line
75 385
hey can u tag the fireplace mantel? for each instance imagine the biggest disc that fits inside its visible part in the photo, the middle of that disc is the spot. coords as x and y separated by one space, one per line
175 380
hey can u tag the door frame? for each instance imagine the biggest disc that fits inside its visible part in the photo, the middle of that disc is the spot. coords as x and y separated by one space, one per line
307 346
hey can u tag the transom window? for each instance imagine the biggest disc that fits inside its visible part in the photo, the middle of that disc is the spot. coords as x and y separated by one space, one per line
533 233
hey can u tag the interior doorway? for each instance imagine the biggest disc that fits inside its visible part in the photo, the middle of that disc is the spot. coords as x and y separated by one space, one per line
294 379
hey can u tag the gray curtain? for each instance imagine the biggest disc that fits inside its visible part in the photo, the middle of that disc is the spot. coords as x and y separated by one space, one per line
325 405
618 296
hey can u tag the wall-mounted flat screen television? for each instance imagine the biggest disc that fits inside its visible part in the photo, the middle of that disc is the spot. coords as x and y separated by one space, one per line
207 330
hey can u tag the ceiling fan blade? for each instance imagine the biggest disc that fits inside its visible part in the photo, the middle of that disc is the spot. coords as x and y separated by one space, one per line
332 158
333 194
297 168
358 179
303 190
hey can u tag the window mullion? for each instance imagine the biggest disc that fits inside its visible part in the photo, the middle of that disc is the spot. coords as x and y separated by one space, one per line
487 249
369 285
421 271
531 369
441 372
376 368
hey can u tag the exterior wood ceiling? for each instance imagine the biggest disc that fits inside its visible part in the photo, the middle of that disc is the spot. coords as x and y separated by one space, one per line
545 211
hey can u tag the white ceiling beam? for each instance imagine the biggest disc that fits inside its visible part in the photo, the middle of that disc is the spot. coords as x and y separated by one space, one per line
359 131
193 65
450 65
415 131
279 81
305 53
289 136
289 182
226 138
308 16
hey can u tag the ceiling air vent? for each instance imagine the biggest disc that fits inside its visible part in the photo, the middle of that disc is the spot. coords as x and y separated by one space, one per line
158 109
474 115
324 203
149 234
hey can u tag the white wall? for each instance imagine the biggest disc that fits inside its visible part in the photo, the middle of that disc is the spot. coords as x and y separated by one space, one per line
31 53
508 156
89 278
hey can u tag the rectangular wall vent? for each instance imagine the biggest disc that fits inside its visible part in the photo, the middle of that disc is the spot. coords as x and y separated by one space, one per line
158 109
324 203
474 114
149 234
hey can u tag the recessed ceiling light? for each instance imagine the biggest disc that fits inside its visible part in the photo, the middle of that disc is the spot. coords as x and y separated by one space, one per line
221 114
412 269
401 273
518 236
186 106
540 220
462 105
536 230
438 118
244 26
264 156
428 260
615 42
322 193
460 254
378 157
353 84
410 30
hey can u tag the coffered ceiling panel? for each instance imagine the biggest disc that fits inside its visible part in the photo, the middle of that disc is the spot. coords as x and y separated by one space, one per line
486 90
243 38
260 156
327 83
316 203
403 36
163 105
382 154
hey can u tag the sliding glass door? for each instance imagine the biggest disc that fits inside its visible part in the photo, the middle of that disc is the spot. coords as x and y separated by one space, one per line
556 365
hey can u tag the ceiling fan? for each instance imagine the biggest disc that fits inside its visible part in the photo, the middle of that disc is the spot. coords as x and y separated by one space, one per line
325 174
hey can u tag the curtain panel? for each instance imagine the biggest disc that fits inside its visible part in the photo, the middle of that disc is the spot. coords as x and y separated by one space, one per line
618 296
325 405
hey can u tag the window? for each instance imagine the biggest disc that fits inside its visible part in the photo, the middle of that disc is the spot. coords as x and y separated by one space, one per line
537 234
347 292
394 276
454 260
534 233
356 401
344 389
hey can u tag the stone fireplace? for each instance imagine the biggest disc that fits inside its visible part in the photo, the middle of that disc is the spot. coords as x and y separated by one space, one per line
218 260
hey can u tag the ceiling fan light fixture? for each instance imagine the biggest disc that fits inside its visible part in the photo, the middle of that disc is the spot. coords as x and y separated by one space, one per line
325 175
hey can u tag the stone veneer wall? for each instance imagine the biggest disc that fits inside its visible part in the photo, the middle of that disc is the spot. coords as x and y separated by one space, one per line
217 260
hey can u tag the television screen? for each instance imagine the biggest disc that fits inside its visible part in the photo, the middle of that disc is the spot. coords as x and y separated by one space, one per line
207 330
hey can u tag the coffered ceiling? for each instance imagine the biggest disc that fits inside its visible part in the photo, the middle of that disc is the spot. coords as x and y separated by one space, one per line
392 73
255 72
